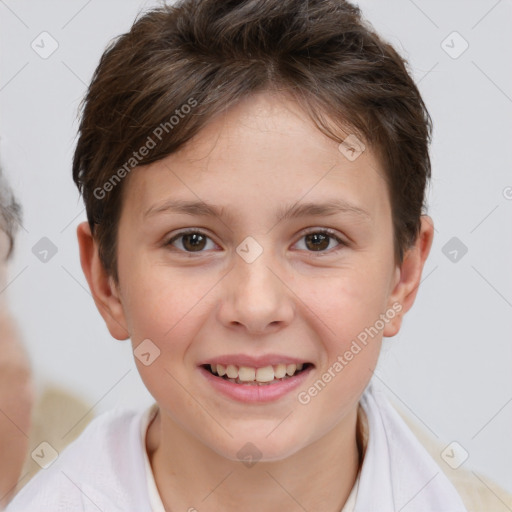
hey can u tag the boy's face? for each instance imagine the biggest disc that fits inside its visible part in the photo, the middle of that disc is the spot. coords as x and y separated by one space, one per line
221 297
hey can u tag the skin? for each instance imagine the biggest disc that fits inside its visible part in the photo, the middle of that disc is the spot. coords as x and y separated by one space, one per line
252 160
16 392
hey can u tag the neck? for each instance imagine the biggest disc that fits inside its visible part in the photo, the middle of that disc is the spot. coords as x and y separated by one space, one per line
191 476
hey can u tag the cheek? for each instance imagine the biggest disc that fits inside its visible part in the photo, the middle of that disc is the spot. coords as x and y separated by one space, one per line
168 308
158 299
345 302
347 310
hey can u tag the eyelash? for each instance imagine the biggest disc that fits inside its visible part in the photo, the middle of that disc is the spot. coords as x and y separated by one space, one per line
324 231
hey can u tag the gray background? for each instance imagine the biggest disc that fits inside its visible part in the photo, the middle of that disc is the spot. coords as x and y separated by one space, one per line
450 365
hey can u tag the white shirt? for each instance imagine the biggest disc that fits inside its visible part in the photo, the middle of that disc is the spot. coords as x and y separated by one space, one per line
107 468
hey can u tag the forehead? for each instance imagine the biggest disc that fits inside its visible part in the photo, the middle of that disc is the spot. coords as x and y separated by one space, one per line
261 153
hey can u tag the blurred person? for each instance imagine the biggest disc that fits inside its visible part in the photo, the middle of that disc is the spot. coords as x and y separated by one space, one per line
16 392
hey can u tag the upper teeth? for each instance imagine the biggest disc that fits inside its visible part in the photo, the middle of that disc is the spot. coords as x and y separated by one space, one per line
248 374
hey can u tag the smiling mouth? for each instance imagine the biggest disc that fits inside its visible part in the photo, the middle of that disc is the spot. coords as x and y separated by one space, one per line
271 374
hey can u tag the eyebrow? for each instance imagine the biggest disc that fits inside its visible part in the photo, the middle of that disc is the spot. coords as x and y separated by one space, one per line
200 208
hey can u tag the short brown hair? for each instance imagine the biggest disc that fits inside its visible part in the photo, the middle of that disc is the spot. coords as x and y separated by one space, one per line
208 54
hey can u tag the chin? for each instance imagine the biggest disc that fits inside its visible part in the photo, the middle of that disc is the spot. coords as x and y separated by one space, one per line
257 449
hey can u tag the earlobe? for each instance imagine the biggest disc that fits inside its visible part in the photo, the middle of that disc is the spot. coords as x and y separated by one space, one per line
102 286
408 276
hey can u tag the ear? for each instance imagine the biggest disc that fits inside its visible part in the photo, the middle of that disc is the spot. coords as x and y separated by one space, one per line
103 288
408 276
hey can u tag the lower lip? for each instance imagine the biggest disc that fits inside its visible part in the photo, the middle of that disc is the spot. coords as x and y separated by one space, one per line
251 393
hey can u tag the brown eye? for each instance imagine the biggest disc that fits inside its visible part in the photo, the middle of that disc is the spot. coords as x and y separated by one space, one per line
317 241
192 241
321 241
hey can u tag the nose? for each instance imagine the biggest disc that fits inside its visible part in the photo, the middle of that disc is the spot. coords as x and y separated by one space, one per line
256 297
